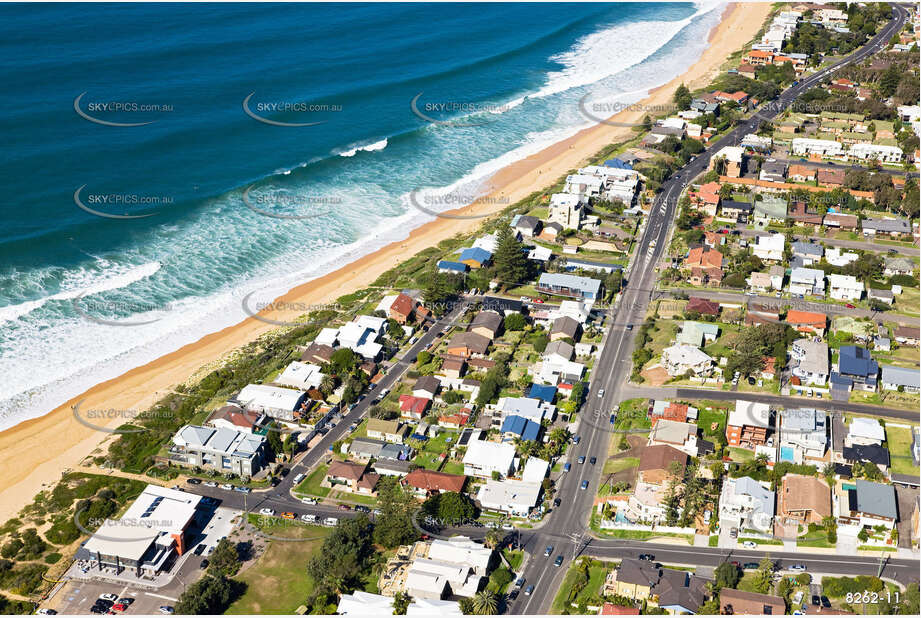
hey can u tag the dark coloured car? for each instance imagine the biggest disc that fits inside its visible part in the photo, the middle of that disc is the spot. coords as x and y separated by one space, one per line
825 602
205 563
576 439
558 561
512 595
750 565
584 485
345 507
557 502
549 550
593 460
199 550
193 481
567 466
362 509
529 590
816 600
613 418
649 557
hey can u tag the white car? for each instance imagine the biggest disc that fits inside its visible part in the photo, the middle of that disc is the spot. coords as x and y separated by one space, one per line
309 518
267 511
109 597
309 500
600 393
227 486
749 545
209 484
166 609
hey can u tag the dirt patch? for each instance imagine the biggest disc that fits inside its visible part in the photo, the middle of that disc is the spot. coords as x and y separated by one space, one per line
655 376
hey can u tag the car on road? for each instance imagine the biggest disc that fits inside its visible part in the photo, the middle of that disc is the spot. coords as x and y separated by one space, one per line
513 595
600 393
243 490
799 568
193 481
204 563
539 301
166 609
559 561
749 544
209 484
557 502
508 526
520 581
227 486
528 590
612 419
648 557
288 515
581 459
576 439
584 485
849 306
309 518
267 511
45 611
330 521
299 478
362 509
750 565
200 549
567 467
629 326
345 507
593 460
548 551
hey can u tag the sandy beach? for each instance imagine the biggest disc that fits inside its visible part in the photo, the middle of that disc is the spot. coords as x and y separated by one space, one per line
36 452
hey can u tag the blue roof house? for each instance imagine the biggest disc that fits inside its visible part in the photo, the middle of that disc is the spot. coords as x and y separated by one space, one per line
445 266
544 392
475 257
856 368
520 426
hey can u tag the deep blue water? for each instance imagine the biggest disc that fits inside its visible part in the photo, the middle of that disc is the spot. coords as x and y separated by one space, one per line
187 265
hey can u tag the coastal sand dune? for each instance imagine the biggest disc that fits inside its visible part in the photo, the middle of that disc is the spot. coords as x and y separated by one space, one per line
35 453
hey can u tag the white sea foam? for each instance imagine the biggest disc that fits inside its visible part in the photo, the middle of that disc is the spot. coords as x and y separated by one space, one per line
121 277
380 145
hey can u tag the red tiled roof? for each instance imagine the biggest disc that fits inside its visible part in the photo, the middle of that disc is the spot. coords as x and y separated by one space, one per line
610 609
418 405
807 317
429 480
402 305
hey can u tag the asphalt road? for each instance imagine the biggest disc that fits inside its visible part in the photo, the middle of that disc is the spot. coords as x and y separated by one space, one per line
567 529
864 245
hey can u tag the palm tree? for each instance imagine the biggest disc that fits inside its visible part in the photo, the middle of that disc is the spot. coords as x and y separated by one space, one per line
559 435
485 602
328 384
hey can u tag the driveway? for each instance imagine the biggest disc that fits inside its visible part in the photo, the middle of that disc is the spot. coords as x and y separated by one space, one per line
907 498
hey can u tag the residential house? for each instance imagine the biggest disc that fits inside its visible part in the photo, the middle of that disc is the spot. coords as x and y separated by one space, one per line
868 505
679 359
697 333
453 367
809 362
284 404
867 453
840 221
830 178
748 424
770 247
514 497
526 225
734 160
351 476
447 266
674 591
484 457
747 504
413 407
772 171
807 321
390 431
706 198
741 602
803 499
559 284
884 296
565 327
875 152
300 375
803 435
682 436
702 306
844 287
671 411
803 146
528 407
486 323
467 344
424 483
658 462
801 173
809 253
837 257
361 603
558 351
221 449
894 227
426 387
317 353
856 369
519 427
454 421
899 379
865 431
898 266
705 259
770 210
736 211
567 209
235 418
402 308
908 335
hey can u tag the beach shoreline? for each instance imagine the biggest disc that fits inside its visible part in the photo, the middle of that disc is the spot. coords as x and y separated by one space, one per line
28 465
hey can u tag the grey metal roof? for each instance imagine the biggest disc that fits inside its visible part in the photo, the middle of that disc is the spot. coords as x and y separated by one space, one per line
876 499
901 376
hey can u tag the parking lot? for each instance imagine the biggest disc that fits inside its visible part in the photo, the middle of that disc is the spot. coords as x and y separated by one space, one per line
77 597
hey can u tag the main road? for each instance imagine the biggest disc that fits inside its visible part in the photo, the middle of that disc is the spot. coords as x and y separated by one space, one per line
566 529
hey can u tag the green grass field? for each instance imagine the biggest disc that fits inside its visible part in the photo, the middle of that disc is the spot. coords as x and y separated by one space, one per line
612 466
277 583
311 484
596 576
900 440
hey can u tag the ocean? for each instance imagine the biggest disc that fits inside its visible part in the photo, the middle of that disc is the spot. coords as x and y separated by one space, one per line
164 161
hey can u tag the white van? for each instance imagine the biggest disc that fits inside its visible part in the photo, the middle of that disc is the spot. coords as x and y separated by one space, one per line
330 521
298 478
309 518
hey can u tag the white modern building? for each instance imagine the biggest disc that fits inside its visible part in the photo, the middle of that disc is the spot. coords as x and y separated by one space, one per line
807 282
878 152
802 146
748 504
809 361
865 432
679 359
300 375
803 435
274 401
484 457
770 247
844 287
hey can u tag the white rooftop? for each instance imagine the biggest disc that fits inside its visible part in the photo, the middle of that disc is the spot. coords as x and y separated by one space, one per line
750 413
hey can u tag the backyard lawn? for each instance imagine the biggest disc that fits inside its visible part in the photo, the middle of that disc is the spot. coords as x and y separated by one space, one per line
277 583
613 466
899 440
596 576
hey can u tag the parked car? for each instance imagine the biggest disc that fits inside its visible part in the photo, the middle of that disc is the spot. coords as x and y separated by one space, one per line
559 561
520 581
109 597
227 486
557 502
209 484
330 521
362 509
816 600
288 515
749 544
199 549
733 533
243 490
750 565
193 481
797 567
267 511
576 439
298 478
345 507
166 609
513 595
205 563
648 557
567 466
600 393
612 419
309 518
309 500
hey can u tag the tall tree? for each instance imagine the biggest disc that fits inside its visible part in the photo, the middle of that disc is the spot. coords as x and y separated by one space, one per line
510 262
485 602
394 526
